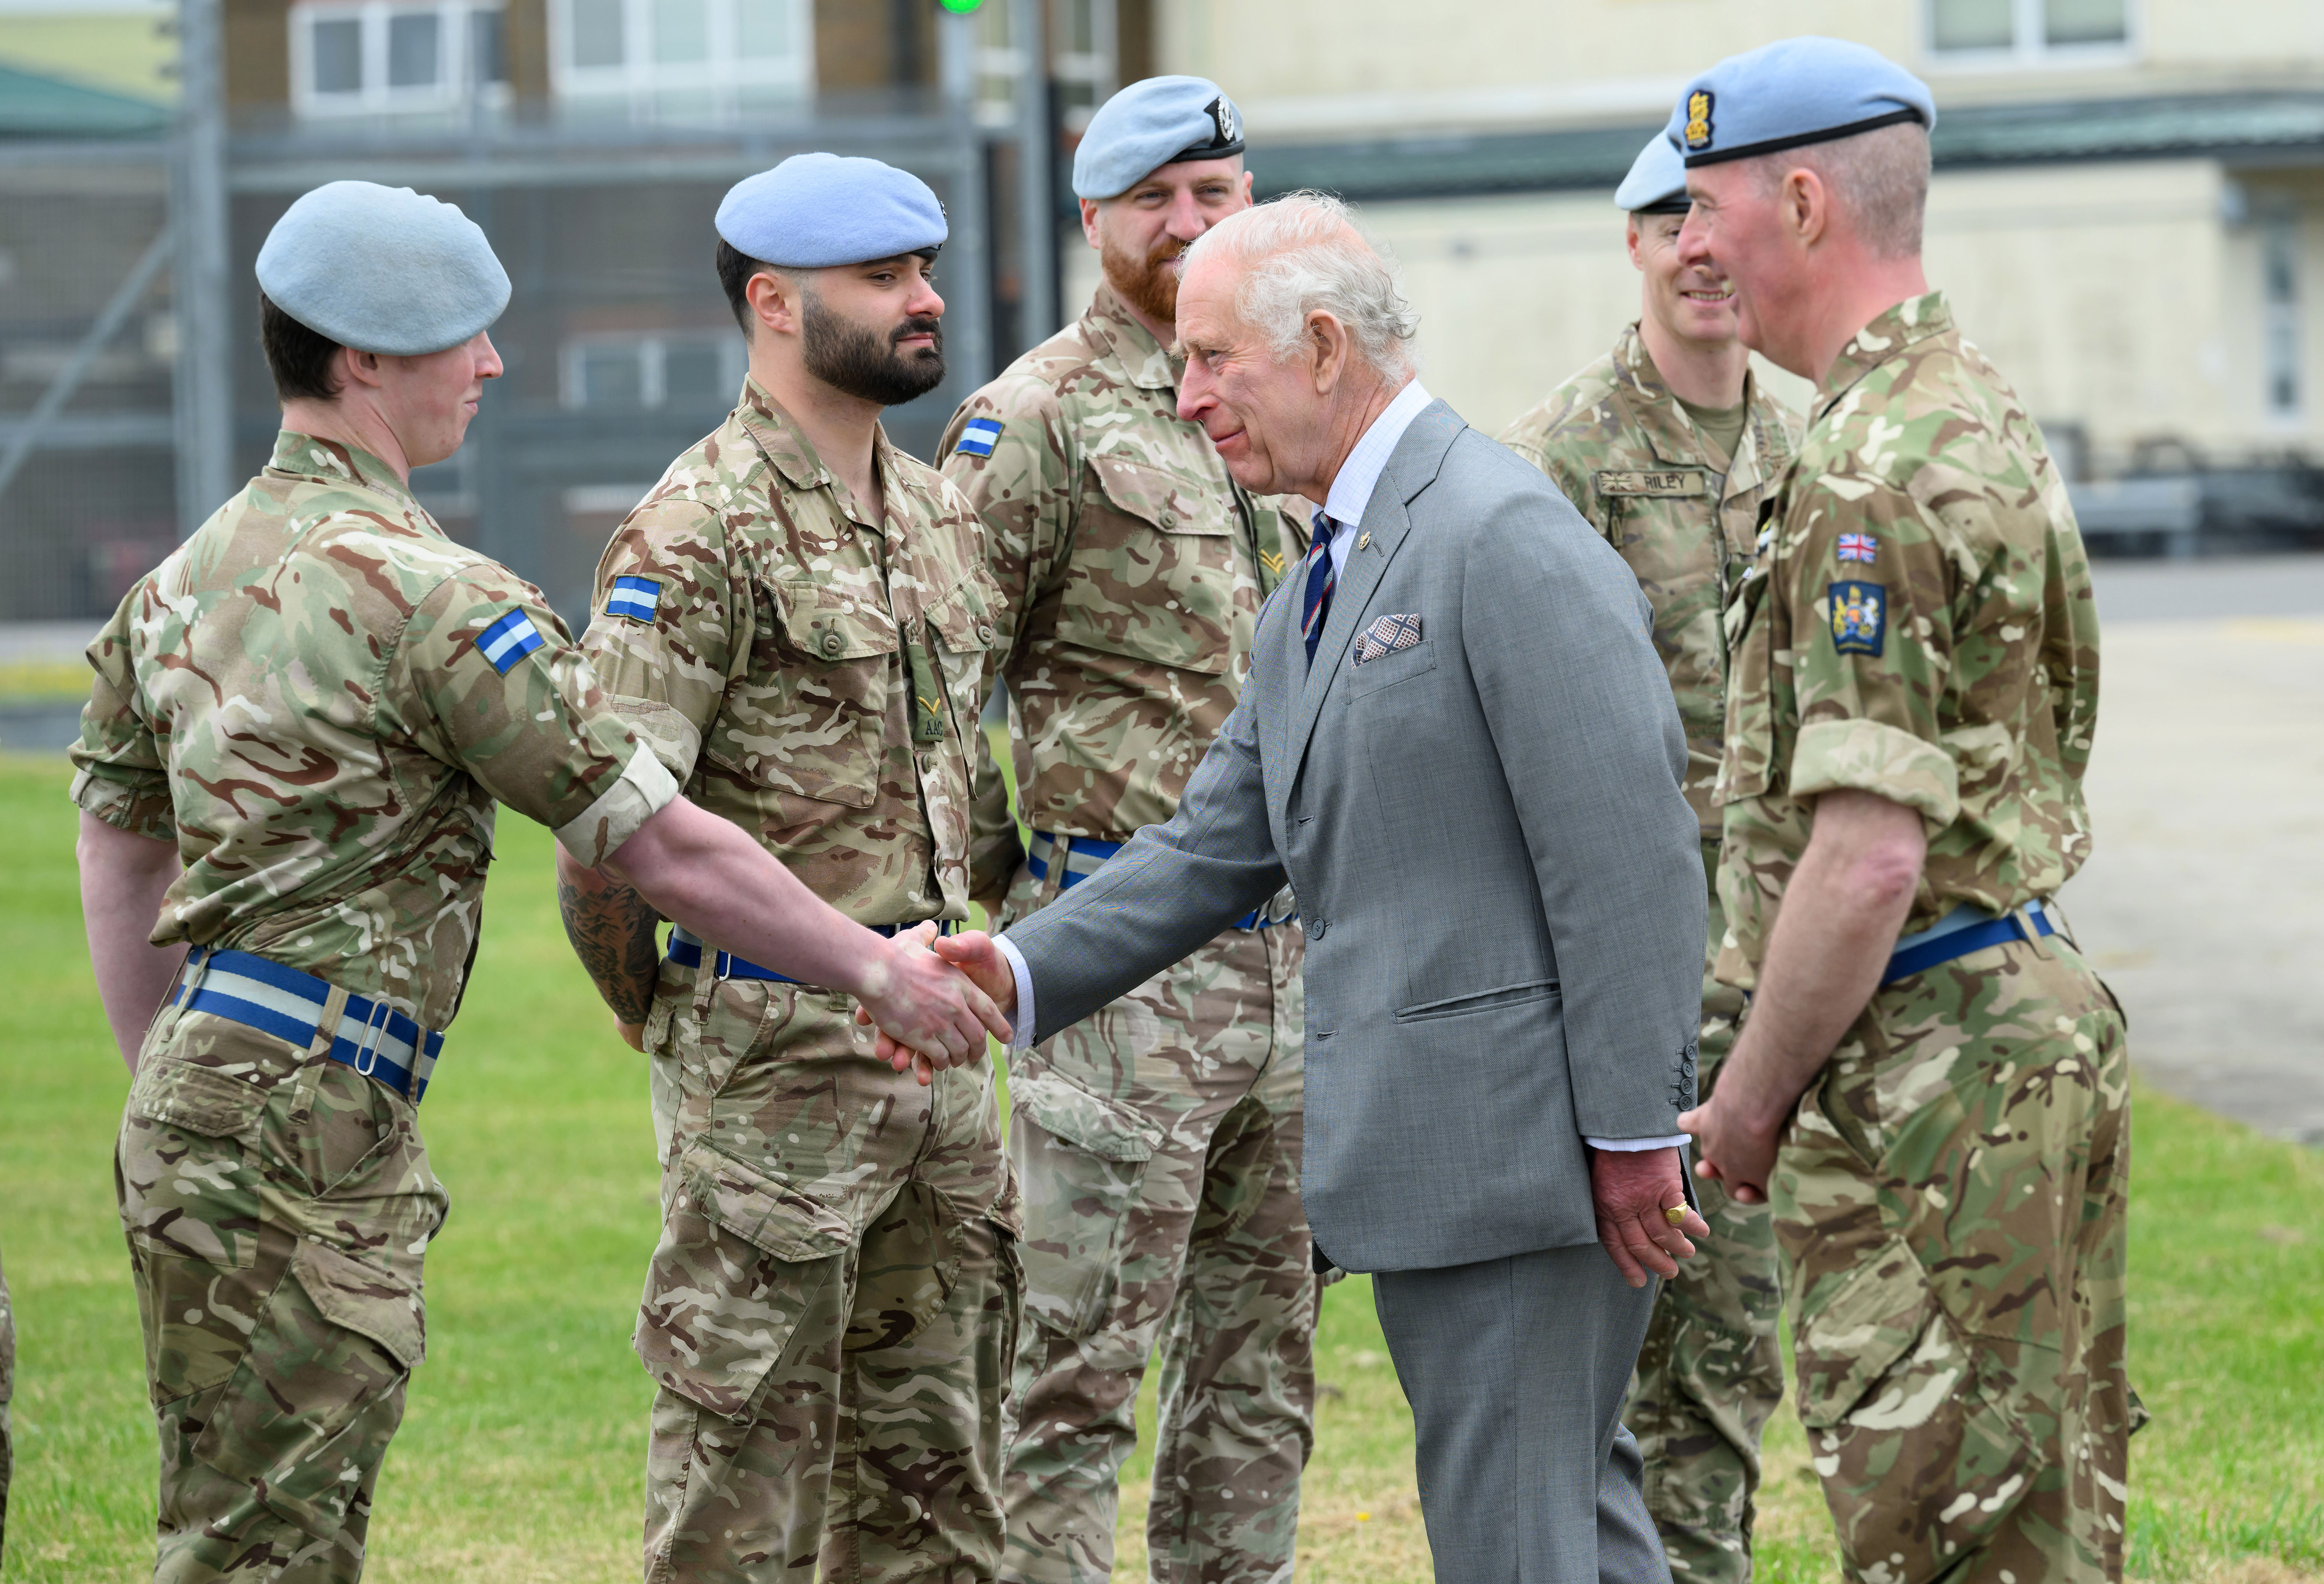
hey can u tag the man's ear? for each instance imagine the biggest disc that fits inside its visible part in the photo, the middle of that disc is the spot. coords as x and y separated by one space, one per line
358 369
1089 223
1328 348
774 300
1630 240
1806 206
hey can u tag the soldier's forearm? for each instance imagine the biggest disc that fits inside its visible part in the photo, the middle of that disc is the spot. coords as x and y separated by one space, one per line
1840 914
123 879
611 928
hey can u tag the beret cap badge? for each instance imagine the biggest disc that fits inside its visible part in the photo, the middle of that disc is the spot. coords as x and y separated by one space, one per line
1698 120
1222 115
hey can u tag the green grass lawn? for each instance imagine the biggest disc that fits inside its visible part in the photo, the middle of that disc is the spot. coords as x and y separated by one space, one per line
522 1450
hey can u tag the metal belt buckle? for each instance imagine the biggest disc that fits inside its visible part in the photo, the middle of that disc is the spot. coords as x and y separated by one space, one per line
367 1051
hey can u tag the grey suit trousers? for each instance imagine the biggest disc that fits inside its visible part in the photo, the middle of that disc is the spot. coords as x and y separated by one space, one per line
1516 1369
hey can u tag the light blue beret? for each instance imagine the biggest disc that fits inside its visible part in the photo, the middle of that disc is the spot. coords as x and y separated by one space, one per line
813 211
383 269
1656 184
1792 93
1152 124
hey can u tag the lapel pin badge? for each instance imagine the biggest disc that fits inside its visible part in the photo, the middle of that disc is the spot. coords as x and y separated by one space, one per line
1365 542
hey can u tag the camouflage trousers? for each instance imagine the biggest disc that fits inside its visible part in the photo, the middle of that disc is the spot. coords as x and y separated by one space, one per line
276 1206
1950 1198
831 1311
1710 1374
1158 1144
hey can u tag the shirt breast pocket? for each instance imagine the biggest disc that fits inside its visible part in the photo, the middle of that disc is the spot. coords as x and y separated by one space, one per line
810 715
1153 571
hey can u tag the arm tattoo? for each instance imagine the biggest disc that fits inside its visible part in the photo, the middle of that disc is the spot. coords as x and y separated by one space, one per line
611 928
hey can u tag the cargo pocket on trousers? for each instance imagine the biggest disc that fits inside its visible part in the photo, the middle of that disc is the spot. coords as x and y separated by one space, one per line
1919 1463
1080 1161
742 1259
308 1415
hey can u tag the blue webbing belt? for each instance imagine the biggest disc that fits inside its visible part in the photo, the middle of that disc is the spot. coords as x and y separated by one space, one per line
373 1038
1082 856
686 951
1964 929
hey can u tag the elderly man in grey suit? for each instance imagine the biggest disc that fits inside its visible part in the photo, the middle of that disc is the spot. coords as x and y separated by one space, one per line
1457 744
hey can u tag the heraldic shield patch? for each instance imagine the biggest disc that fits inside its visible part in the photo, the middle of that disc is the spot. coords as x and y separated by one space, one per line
1859 617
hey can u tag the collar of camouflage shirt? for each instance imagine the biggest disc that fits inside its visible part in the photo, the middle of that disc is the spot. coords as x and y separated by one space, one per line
1144 360
1658 415
1910 322
330 461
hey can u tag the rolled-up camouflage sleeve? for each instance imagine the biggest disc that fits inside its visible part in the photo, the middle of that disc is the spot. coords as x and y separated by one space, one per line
1023 488
1874 644
485 676
668 621
120 775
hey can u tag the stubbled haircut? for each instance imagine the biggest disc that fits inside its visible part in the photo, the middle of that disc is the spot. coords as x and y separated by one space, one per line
735 271
299 358
1881 177
1306 251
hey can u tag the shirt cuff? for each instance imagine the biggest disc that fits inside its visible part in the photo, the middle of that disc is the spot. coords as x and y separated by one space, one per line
643 790
1630 1146
1020 1022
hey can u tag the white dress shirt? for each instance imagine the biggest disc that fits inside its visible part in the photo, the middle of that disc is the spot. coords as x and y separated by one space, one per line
1351 493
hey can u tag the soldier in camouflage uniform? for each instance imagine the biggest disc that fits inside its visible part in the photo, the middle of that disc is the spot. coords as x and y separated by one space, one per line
1675 486
1911 710
797 618
1158 1142
300 725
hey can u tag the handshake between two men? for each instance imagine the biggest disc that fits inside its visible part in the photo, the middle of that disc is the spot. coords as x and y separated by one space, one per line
1643 1221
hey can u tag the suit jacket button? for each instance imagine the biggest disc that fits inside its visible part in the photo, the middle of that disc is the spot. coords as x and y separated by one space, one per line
1315 928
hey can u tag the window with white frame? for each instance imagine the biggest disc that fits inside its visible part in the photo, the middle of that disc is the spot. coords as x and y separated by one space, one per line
626 371
369 57
2046 30
678 51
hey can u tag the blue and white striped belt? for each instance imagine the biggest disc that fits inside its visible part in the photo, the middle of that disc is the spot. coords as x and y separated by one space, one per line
1084 857
372 1037
685 950
1968 928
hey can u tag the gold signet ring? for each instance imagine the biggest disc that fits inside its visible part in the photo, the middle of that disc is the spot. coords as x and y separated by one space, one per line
1675 1215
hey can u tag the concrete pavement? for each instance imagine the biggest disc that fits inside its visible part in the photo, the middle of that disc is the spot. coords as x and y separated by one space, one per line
2203 901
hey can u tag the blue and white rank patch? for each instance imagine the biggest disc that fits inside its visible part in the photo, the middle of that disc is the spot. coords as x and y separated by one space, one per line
977 437
508 640
634 598
1859 617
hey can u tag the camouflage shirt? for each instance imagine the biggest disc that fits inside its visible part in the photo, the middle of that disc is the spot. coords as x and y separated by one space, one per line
1623 451
811 676
1132 570
1918 624
318 696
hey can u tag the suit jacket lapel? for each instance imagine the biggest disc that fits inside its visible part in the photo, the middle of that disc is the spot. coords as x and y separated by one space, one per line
1411 468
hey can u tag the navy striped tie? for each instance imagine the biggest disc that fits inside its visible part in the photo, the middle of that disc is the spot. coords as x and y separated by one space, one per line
1317 610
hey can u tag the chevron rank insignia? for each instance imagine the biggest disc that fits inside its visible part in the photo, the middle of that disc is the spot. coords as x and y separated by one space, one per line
977 437
510 639
1859 617
634 598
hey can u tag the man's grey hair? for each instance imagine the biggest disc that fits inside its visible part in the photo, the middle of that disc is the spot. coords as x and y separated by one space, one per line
1880 178
1307 251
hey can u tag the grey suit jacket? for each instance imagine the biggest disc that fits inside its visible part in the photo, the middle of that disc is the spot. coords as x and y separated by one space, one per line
1501 880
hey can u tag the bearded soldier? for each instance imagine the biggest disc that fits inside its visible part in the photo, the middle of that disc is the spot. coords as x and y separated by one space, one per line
796 618
1158 1143
288 766
1931 1089
1668 445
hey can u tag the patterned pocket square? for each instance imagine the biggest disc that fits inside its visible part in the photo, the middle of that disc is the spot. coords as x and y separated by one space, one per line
1386 636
